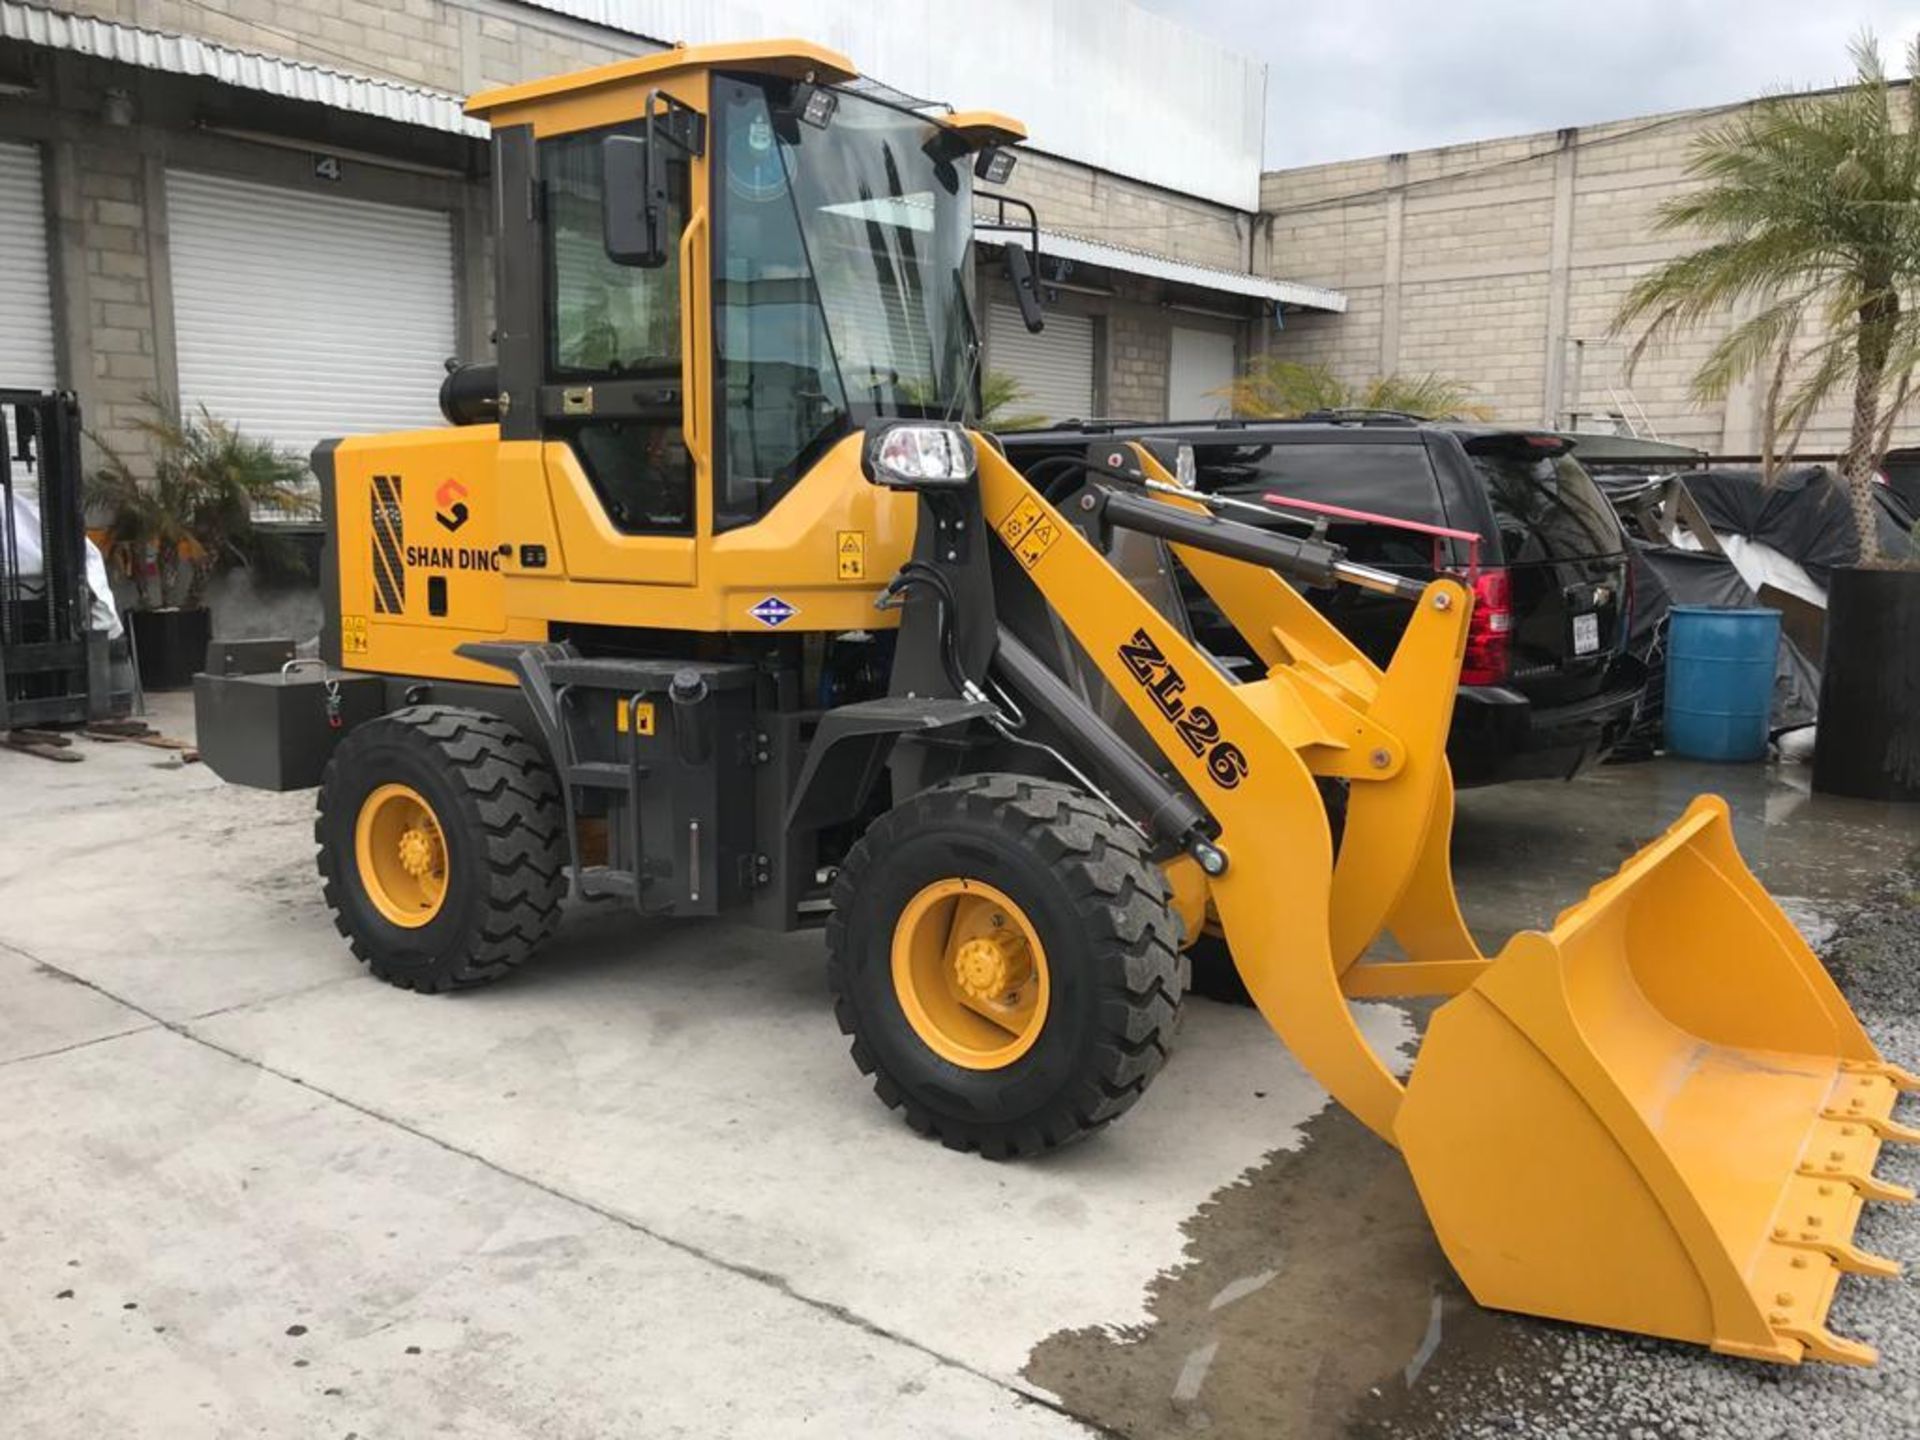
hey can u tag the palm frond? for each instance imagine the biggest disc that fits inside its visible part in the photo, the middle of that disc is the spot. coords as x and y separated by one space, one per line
1432 396
1747 346
1271 388
1803 207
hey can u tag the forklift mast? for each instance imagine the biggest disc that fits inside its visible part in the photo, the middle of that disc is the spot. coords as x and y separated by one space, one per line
54 668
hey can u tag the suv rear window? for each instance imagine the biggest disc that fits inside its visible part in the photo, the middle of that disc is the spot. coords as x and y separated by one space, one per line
1395 480
1548 508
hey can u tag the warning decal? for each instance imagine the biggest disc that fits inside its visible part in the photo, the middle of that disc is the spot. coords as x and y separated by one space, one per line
851 547
1028 531
637 718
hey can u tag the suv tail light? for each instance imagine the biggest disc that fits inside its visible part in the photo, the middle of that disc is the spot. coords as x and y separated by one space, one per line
1490 631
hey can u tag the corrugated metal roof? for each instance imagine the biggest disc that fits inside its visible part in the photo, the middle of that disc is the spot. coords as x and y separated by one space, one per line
190 55
1159 267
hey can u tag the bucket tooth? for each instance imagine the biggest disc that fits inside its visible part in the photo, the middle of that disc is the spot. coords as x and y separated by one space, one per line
1870 1187
1846 1150
1794 1288
1902 1078
1864 1095
1822 1344
1855 1261
1820 1213
1849 1257
1881 1126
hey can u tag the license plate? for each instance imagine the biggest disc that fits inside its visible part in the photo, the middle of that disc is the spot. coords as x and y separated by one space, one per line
1586 634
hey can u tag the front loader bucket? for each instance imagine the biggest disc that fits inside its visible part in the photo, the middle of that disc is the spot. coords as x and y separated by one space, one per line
1660 1116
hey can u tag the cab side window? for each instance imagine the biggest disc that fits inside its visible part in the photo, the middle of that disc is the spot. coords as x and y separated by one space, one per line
614 330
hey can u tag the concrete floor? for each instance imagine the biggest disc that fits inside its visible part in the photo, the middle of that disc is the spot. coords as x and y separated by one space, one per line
640 1189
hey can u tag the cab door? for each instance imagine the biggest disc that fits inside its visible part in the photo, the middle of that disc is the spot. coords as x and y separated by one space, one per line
612 399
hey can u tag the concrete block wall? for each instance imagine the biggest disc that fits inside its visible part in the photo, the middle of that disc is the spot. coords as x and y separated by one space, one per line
110 188
107 221
1116 211
1502 265
1138 344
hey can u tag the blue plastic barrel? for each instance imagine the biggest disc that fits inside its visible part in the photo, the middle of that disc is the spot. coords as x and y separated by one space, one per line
1720 667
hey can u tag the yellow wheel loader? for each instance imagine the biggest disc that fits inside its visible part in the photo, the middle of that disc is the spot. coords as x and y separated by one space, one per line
710 600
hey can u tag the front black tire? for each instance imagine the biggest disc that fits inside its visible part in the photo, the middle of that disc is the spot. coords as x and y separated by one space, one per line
505 856
1102 911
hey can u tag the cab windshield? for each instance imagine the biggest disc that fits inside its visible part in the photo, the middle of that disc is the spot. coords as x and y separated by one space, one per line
843 280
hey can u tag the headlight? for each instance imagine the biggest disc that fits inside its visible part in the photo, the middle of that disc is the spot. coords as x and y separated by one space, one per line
920 457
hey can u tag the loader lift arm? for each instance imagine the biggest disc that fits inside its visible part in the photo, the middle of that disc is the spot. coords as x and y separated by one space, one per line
1567 1120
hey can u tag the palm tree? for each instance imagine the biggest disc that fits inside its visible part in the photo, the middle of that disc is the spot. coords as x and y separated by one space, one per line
1276 389
1810 208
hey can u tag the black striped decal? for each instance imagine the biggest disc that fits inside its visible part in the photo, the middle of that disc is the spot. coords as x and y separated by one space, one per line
389 537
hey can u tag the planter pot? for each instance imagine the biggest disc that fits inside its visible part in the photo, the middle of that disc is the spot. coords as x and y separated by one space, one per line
1868 744
171 645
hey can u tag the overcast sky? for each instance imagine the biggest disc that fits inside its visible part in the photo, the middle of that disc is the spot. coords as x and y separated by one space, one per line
1350 78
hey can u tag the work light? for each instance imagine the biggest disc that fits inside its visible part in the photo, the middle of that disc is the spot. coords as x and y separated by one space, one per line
995 165
920 457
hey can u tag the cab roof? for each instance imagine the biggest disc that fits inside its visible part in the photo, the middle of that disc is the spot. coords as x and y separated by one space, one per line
792 58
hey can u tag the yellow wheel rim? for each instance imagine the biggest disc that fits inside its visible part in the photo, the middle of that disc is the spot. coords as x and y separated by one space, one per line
402 854
971 974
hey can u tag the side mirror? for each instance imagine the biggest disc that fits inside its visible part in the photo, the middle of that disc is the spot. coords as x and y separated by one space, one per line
633 201
1026 292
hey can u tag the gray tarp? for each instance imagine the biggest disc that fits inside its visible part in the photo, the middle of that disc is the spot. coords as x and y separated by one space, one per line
1804 515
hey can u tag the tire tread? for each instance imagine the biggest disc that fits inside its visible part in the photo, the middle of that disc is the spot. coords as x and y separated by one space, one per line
517 817
1120 896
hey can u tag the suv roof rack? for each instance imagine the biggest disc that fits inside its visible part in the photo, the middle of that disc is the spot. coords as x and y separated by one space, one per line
1361 415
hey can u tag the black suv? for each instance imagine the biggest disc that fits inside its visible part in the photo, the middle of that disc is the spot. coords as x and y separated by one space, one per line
1548 687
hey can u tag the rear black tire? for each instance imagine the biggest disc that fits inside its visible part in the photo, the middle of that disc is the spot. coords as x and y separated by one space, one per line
1103 913
1215 977
494 799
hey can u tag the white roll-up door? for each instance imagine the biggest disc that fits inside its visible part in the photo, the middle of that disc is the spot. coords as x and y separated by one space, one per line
1199 368
1055 366
26 293
301 316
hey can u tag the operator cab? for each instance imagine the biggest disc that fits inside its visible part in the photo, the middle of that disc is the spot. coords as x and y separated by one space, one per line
732 261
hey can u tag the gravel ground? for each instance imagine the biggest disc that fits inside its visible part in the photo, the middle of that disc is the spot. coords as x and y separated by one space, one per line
1526 1378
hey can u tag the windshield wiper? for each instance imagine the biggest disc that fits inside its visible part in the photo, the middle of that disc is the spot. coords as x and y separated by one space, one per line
957 401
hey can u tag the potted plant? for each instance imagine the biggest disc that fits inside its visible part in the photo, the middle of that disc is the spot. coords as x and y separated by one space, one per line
193 512
1806 204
